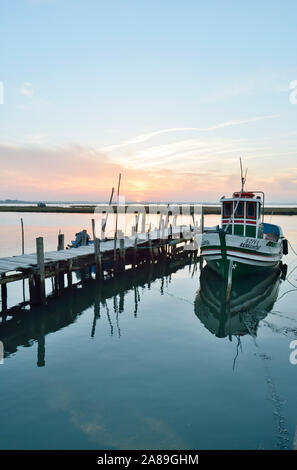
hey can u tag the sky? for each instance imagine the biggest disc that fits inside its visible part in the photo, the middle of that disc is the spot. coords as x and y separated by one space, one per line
170 93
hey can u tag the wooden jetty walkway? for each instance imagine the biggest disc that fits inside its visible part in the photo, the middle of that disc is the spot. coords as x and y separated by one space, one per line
109 257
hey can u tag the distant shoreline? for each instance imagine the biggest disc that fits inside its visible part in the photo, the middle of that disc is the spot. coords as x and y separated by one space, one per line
89 209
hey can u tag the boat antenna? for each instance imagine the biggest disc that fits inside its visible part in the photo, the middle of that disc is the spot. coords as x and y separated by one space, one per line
243 178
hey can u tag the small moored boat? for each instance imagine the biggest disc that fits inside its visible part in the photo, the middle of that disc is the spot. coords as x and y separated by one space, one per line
244 242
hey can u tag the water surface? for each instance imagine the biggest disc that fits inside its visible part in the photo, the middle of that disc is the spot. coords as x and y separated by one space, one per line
139 363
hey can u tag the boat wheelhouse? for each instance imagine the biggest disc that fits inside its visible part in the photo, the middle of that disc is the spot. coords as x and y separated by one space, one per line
241 214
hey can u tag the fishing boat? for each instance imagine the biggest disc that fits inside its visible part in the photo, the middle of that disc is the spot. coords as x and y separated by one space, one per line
244 243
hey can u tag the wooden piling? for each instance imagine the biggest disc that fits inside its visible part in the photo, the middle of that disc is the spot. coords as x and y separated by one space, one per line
135 253
32 289
23 237
202 219
103 226
122 254
84 238
143 222
40 276
150 246
93 229
69 273
61 242
4 295
98 259
61 280
136 222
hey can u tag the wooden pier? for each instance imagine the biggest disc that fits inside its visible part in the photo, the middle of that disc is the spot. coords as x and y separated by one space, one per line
107 258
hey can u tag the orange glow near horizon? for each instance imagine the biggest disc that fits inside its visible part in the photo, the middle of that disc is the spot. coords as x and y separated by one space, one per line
77 174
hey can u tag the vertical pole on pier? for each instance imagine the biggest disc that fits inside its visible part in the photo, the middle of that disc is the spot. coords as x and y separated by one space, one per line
32 289
23 252
84 238
122 252
69 273
202 219
23 237
98 259
60 242
143 221
102 232
59 279
150 246
40 277
115 258
135 252
57 272
93 229
3 294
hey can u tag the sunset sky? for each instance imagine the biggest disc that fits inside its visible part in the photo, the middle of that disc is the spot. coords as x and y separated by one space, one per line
170 93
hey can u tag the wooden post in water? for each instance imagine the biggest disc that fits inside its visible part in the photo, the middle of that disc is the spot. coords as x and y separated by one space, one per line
23 237
23 252
103 225
60 242
56 279
93 229
202 219
32 289
59 278
136 222
122 251
69 273
135 252
98 259
150 246
115 256
3 294
40 276
84 238
143 222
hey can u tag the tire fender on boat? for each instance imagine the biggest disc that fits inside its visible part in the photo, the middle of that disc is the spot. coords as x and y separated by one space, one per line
285 246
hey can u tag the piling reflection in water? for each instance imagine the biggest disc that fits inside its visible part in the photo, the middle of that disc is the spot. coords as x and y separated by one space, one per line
251 299
26 327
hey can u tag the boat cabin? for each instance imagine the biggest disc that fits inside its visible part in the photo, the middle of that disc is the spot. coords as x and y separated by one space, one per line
241 214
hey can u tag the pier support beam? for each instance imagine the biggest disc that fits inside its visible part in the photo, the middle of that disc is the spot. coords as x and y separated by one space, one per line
69 273
32 289
122 254
60 242
3 295
98 259
40 276
150 247
84 238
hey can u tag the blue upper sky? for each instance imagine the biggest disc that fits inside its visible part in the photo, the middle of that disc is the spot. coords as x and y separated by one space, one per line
186 86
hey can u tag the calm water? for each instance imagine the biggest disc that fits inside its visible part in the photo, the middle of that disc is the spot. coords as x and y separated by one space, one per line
148 362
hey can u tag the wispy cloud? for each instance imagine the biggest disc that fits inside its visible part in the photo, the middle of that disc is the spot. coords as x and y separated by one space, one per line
26 89
145 137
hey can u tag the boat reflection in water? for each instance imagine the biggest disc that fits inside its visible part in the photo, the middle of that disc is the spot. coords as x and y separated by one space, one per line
19 327
250 300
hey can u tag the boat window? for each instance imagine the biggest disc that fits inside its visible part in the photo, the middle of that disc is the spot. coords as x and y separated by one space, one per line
239 210
227 209
251 210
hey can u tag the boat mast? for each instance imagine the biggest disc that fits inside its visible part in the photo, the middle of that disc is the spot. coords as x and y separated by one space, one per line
243 178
